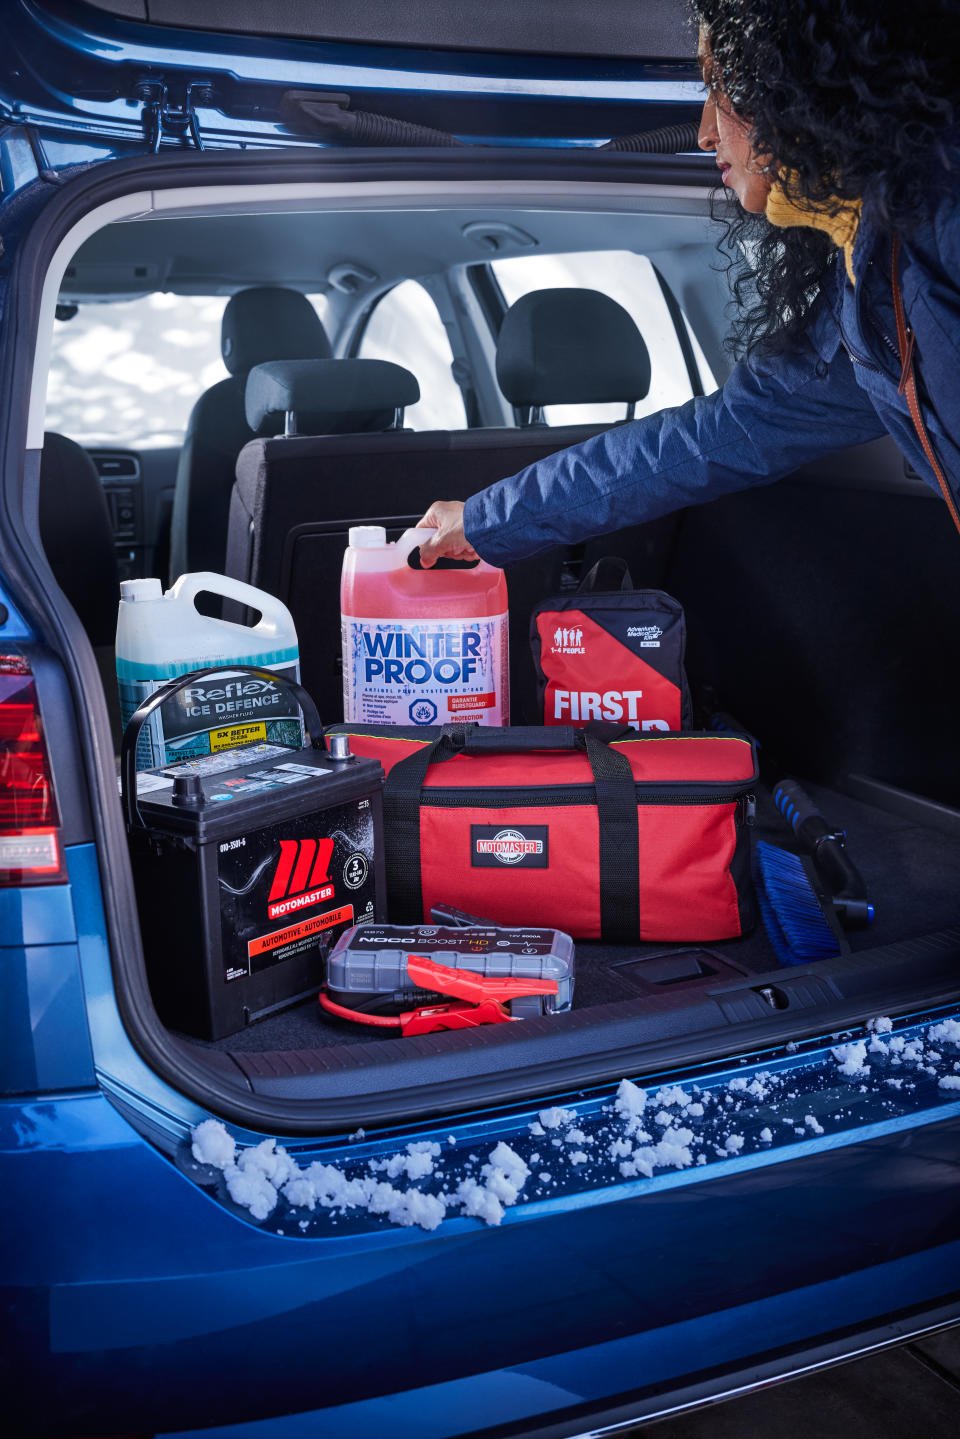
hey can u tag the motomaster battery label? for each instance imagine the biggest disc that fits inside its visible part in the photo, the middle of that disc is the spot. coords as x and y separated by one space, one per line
425 672
289 889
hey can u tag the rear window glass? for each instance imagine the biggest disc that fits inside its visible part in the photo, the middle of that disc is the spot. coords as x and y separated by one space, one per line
128 372
405 327
629 279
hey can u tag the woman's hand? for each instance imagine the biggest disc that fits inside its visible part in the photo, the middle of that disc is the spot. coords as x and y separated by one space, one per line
449 542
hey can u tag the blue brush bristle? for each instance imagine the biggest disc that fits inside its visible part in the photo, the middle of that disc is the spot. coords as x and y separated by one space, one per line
791 912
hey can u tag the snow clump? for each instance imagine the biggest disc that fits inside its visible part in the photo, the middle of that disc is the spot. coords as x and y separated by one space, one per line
213 1144
630 1103
852 1058
257 1177
554 1118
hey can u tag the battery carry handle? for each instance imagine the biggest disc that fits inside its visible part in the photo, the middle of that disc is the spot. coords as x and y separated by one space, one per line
131 734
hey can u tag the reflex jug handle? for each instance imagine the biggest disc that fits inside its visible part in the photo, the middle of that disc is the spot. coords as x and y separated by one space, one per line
273 612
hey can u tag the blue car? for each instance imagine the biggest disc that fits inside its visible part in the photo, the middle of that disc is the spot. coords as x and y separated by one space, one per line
718 1169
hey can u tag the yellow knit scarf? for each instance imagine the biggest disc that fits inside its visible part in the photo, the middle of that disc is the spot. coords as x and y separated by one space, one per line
841 227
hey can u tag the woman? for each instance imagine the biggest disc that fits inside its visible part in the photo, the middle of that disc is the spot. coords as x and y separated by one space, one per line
835 126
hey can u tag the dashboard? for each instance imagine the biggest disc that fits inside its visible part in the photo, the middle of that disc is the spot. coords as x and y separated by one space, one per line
138 487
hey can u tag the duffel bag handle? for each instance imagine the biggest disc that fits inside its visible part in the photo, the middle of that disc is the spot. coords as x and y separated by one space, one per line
619 847
490 739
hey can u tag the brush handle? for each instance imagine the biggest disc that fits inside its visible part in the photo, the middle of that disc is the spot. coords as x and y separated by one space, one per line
827 848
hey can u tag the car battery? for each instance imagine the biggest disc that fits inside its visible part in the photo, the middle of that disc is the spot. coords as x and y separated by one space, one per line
368 965
248 864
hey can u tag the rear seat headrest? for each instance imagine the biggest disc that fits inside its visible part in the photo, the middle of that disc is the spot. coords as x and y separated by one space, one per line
570 347
270 323
328 397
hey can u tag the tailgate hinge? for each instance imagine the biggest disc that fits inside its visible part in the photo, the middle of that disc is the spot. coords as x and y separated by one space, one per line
165 117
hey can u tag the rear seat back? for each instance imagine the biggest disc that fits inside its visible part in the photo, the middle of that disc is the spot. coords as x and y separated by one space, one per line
295 500
296 497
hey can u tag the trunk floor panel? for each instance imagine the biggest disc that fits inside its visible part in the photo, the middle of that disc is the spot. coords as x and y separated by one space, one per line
910 871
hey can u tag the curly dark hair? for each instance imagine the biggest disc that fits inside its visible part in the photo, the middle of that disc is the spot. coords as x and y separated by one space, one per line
851 99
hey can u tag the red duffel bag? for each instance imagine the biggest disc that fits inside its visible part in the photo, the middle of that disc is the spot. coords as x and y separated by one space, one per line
639 838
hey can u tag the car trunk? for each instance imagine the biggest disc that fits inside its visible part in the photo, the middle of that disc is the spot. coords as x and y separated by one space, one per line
821 613
811 618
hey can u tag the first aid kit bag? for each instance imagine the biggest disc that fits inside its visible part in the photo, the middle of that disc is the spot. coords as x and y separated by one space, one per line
635 837
248 865
162 635
608 652
420 646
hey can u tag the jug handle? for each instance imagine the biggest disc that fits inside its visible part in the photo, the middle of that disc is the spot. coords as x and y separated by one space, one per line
273 612
410 539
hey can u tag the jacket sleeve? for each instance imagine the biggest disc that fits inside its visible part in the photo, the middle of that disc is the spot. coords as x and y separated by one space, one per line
769 417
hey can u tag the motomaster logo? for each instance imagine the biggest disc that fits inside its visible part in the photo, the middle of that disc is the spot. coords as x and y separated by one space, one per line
301 877
492 846
509 846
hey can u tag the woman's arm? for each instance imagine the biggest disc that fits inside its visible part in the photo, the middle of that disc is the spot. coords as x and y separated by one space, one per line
768 419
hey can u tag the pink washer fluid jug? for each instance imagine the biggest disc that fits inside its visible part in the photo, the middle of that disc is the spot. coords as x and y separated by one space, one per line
424 647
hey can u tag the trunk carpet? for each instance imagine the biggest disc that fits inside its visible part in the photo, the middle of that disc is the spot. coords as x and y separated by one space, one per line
911 874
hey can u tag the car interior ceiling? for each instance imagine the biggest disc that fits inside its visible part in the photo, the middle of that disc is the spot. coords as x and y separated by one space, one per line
820 610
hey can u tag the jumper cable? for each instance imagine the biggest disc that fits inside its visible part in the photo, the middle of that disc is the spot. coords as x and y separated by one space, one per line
487 999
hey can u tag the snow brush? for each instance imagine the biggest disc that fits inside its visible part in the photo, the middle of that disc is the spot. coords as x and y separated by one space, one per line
807 900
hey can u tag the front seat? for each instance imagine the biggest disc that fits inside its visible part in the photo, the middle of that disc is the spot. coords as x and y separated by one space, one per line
77 536
78 542
266 323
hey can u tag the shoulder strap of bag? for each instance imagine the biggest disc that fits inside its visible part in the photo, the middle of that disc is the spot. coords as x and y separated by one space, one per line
619 850
908 384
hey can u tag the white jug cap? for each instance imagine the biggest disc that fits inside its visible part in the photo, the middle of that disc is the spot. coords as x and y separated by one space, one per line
366 537
141 590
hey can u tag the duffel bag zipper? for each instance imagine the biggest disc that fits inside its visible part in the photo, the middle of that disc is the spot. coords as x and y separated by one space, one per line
551 798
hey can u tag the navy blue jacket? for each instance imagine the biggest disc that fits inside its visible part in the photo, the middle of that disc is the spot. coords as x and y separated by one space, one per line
836 386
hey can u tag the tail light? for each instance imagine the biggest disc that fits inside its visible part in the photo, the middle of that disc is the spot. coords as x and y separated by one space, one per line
30 850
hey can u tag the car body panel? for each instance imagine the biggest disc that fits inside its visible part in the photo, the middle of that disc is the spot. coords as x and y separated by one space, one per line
606 1295
143 1296
82 75
493 25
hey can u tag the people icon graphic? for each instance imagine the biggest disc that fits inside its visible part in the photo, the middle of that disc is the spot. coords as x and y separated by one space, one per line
564 639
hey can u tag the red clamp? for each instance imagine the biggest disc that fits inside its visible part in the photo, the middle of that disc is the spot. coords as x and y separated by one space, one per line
487 999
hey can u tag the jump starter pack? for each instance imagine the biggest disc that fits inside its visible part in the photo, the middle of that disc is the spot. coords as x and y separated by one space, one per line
259 857
502 973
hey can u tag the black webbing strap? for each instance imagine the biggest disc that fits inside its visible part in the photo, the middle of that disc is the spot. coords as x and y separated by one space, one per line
619 843
619 857
401 830
609 573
